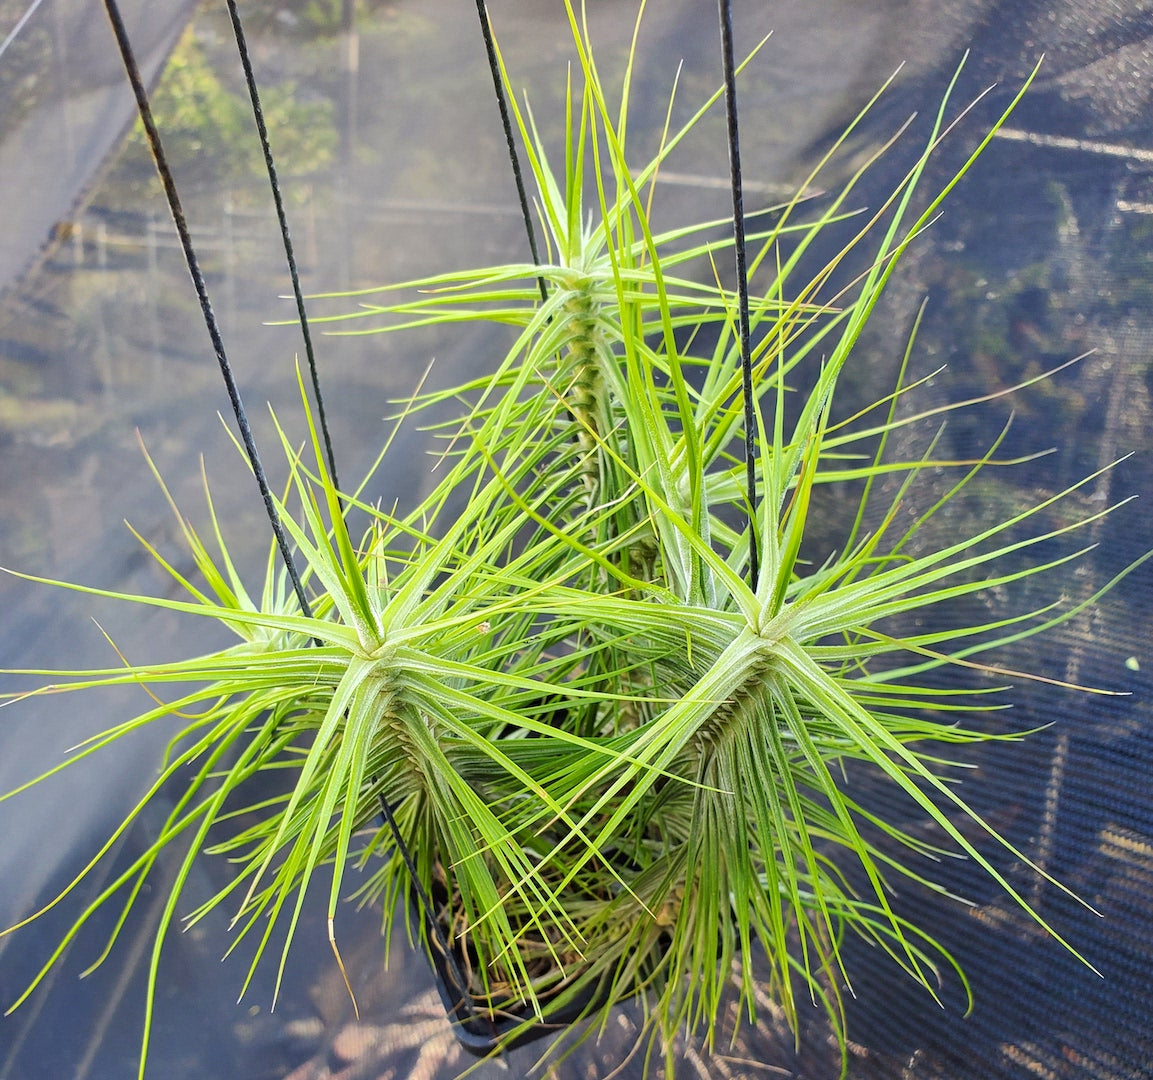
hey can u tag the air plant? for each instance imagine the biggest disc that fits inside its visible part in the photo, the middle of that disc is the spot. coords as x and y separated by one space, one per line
612 757
731 813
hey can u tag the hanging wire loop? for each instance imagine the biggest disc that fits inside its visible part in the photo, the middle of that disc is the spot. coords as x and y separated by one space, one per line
726 17
286 236
145 110
510 138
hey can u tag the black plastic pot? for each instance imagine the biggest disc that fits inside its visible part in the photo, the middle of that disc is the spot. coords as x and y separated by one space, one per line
477 1030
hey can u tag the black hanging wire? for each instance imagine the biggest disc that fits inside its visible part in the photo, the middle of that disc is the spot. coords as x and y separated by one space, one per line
386 812
510 138
726 16
145 109
210 322
270 165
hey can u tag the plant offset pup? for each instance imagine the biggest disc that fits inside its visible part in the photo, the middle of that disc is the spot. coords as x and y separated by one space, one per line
619 768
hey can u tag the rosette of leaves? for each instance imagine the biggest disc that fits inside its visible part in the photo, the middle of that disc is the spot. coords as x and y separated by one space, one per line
426 677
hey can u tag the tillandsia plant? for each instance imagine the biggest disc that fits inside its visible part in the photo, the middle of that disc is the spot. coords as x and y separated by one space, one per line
610 726
726 814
